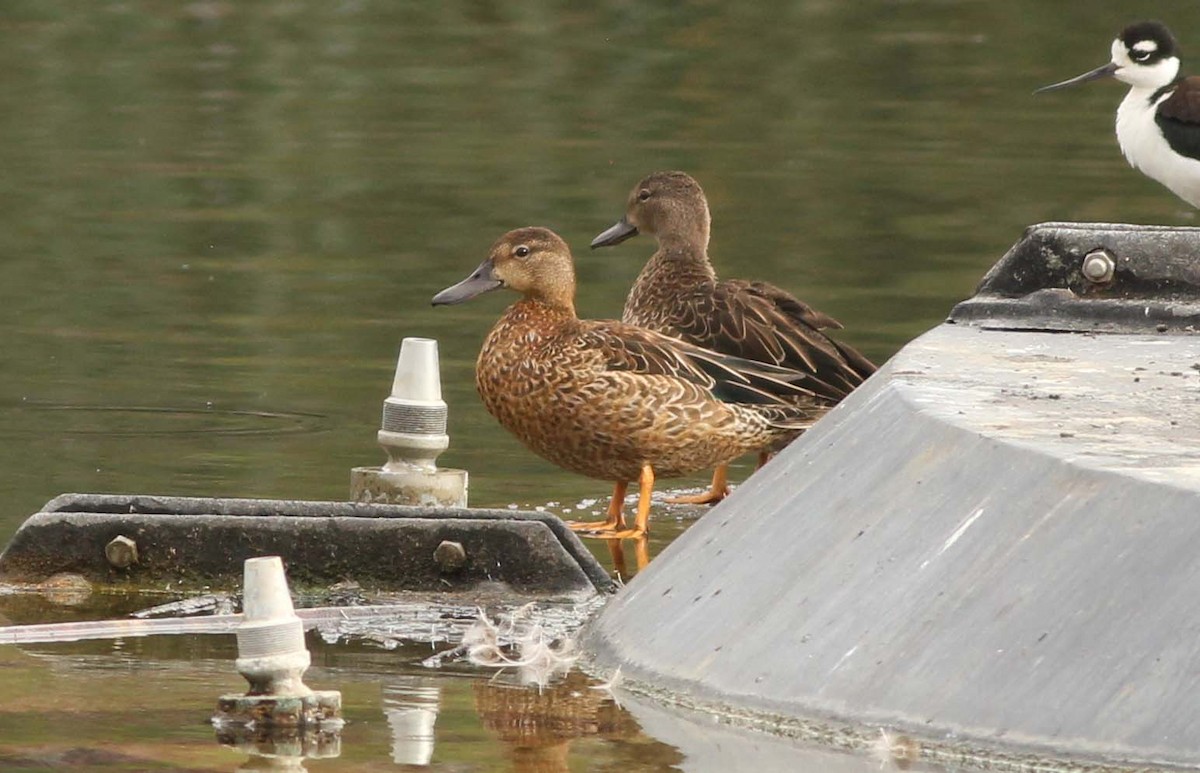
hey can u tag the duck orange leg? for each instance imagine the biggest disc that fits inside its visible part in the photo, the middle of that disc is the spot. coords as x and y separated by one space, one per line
641 526
615 520
718 491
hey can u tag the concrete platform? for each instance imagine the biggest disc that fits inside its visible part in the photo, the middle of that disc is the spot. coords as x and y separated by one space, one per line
992 541
192 542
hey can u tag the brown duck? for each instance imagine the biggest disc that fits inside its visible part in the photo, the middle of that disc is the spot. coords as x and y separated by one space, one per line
678 293
610 400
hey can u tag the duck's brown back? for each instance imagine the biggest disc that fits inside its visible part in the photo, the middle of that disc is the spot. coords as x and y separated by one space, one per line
679 295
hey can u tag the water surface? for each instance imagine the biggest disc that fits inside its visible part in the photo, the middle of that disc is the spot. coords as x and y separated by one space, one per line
220 219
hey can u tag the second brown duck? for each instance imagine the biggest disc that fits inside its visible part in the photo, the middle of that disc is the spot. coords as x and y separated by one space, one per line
678 293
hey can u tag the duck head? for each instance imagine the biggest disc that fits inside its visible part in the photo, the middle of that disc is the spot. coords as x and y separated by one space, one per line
1144 55
669 206
533 261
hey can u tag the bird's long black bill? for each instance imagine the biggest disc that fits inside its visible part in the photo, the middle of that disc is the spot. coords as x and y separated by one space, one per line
1100 72
481 280
615 234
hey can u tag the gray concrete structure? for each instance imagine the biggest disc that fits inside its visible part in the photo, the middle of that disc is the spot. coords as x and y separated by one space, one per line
993 541
194 542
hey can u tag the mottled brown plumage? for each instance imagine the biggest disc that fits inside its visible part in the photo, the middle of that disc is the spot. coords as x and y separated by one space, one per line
610 400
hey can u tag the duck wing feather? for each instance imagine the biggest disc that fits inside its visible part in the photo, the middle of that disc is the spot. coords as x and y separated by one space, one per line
758 321
728 378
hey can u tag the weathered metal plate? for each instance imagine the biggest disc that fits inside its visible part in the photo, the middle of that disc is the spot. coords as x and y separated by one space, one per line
1039 284
192 542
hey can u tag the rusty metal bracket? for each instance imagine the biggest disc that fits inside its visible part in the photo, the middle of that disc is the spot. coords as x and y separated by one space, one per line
1092 277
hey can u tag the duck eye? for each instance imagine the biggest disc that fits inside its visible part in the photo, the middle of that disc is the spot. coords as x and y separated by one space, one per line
1139 56
643 194
521 252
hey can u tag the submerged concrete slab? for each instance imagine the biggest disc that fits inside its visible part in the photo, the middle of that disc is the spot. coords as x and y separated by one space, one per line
709 747
994 539
193 542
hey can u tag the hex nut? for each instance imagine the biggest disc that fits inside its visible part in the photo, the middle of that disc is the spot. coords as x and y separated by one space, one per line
121 552
1098 267
450 556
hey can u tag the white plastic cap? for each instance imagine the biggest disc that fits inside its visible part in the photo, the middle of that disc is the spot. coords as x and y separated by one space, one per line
265 590
417 376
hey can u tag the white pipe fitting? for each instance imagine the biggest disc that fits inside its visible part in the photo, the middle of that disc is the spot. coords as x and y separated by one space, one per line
271 651
414 417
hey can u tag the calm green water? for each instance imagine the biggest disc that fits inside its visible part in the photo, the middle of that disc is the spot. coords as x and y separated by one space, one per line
213 210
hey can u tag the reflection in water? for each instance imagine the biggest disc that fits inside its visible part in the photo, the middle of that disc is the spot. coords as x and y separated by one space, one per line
896 749
616 551
538 726
65 589
279 748
411 704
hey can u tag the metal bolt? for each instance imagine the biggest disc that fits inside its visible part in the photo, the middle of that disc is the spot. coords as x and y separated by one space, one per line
1098 267
450 556
121 552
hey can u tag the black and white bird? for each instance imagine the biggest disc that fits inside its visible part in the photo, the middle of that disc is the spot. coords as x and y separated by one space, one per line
1158 122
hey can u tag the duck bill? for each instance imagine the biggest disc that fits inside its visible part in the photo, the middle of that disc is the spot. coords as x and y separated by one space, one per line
481 280
1107 71
617 233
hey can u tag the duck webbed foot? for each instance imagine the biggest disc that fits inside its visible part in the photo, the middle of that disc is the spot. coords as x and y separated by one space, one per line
613 523
718 491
